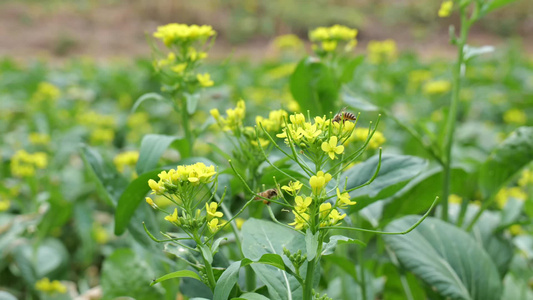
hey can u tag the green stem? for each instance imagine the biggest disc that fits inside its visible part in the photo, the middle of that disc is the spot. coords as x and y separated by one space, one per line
210 274
309 278
452 113
186 124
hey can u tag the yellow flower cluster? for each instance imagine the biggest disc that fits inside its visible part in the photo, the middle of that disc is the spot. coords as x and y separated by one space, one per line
416 78
212 216
174 33
128 158
436 87
526 178
24 164
275 120
39 138
513 192
50 287
205 80
170 181
288 42
46 92
445 9
329 37
515 116
94 120
382 51
234 117
306 134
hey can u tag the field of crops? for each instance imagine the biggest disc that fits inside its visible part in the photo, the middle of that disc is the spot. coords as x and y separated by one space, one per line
313 174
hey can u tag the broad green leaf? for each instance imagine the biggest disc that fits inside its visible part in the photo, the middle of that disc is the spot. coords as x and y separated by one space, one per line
109 182
493 5
419 193
226 281
131 198
152 147
124 273
314 87
394 173
349 68
49 259
311 244
263 237
344 263
8 296
471 52
506 160
251 296
446 258
329 247
358 103
177 274
148 96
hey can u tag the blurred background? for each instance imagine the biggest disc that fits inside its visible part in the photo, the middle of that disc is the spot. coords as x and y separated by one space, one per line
104 29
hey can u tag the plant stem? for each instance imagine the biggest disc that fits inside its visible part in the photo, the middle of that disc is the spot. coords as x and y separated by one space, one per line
210 275
186 126
452 113
309 278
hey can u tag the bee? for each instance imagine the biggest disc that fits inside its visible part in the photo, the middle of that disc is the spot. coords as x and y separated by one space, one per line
343 115
268 194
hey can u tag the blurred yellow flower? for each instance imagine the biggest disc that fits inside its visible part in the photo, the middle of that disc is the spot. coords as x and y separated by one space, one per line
445 9
437 87
39 138
181 33
382 51
50 287
124 159
515 116
24 164
288 41
205 80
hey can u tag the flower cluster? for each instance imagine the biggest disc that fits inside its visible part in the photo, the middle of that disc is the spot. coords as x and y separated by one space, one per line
314 209
234 118
24 164
323 136
46 92
172 34
101 126
515 116
125 159
186 44
288 42
182 186
382 51
39 138
436 87
329 37
361 135
445 9
50 287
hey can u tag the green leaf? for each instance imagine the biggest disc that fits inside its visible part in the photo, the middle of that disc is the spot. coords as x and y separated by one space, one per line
471 52
329 248
314 87
109 183
177 274
311 244
226 281
506 160
349 68
446 258
192 102
148 96
152 147
358 103
493 5
8 296
394 173
251 296
124 273
131 198
263 237
420 192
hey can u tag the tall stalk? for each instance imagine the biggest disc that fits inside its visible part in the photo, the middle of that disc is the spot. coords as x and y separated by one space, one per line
452 113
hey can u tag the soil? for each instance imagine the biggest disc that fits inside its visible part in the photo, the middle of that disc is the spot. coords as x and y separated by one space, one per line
105 32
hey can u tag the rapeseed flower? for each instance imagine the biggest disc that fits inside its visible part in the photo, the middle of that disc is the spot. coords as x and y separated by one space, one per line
445 9
331 147
515 116
128 158
300 220
382 51
343 200
50 287
24 164
205 80
212 212
173 34
293 188
319 181
437 87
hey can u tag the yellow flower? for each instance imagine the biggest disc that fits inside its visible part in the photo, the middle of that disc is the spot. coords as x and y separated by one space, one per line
300 220
181 33
102 136
205 80
156 187
343 199
335 217
331 147
382 51
239 222
329 46
150 202
437 87
445 9
212 212
293 188
455 199
24 164
319 181
377 140
4 205
213 225
39 138
526 178
48 287
215 113
174 217
517 230
128 158
515 116
287 41
179 68
302 204
46 92
324 209
335 32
